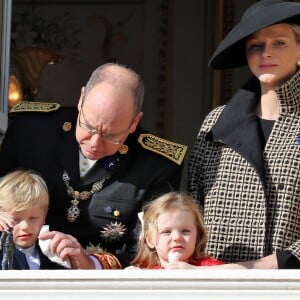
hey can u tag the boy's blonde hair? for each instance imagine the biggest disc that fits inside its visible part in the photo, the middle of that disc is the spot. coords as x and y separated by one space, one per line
22 190
147 257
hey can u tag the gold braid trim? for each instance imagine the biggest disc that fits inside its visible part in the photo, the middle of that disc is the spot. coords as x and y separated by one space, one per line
27 106
107 260
168 149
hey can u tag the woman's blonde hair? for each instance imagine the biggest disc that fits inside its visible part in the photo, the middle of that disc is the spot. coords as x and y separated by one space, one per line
147 257
296 30
22 190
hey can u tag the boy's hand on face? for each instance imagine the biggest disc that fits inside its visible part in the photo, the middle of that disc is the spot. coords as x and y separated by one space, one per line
6 221
67 247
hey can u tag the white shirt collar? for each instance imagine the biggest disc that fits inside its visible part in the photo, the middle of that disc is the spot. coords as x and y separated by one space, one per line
85 164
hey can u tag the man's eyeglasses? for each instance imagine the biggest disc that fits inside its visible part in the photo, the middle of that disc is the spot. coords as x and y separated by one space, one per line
111 138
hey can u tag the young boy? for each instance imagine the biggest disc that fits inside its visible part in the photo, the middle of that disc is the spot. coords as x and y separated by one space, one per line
24 204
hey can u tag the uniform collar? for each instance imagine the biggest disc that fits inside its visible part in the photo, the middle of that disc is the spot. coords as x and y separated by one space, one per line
240 109
237 126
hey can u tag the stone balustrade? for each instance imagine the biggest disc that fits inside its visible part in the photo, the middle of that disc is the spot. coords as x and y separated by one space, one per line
150 284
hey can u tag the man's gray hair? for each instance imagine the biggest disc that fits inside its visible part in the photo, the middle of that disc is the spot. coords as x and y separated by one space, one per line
133 82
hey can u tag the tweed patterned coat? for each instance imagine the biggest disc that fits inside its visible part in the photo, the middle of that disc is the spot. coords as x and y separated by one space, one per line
250 192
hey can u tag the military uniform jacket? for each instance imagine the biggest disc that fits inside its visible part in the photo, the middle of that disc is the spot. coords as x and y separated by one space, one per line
250 193
46 142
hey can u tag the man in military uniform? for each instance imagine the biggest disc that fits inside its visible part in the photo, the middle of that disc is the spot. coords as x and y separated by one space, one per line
99 164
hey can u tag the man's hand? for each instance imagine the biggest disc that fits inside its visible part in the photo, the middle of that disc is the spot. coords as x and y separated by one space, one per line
67 247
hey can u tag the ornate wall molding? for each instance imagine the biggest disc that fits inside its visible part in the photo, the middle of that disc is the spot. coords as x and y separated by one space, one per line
223 79
163 101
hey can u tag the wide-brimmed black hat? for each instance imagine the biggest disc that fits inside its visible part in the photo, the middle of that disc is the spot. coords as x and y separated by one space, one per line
231 52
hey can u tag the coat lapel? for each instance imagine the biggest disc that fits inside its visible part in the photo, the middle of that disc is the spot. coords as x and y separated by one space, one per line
20 262
237 127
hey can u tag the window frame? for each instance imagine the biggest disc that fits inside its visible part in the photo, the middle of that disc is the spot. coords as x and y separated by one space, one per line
5 33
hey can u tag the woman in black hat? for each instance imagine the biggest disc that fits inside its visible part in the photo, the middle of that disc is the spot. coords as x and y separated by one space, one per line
245 165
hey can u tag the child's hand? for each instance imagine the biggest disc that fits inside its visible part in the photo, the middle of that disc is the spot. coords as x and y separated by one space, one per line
6 221
179 265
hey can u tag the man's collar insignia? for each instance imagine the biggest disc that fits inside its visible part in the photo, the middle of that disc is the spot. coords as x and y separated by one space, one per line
110 163
173 151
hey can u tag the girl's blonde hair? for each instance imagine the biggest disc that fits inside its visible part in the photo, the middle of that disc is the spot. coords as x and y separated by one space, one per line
22 190
147 257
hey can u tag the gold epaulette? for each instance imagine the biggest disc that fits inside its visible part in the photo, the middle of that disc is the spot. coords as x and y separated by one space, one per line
168 149
28 106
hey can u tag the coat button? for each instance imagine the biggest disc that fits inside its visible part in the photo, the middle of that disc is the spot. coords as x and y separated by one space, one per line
237 144
117 213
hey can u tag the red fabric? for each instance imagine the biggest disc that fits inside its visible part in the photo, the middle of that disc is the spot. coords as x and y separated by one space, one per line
205 261
208 261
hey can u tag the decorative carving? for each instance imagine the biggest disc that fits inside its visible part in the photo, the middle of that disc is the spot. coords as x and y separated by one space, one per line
223 79
111 36
162 101
37 41
30 62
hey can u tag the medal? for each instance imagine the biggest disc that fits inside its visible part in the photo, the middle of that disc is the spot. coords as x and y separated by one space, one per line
73 212
113 231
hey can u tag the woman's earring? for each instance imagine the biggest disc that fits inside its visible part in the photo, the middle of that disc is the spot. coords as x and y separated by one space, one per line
123 149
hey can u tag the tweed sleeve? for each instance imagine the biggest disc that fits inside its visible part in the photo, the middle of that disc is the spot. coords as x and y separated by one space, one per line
286 260
295 249
194 168
195 174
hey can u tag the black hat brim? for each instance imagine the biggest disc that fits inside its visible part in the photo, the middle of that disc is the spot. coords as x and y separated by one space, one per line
231 52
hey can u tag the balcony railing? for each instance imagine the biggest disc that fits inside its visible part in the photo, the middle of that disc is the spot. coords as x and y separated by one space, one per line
150 284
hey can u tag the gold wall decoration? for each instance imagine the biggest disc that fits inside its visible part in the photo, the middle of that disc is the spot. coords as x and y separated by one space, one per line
15 93
30 62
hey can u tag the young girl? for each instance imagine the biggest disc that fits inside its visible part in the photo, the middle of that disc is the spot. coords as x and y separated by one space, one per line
173 235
